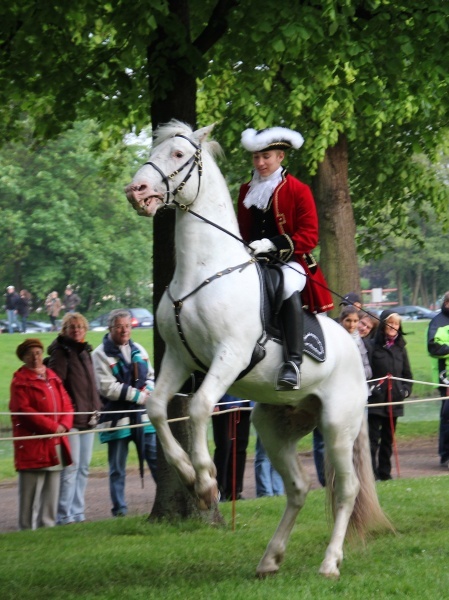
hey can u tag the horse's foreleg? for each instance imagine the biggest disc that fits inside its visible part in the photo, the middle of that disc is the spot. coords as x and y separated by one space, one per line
168 383
346 488
201 407
281 450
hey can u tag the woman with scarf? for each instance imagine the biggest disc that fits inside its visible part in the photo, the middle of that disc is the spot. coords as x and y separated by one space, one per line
277 215
389 357
125 378
70 358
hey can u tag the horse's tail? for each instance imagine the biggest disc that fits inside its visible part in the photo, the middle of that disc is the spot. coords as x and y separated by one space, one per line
367 515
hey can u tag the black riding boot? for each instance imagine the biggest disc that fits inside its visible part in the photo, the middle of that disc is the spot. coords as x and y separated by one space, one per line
292 322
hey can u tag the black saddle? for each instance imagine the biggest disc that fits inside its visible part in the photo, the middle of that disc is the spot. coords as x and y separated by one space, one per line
271 279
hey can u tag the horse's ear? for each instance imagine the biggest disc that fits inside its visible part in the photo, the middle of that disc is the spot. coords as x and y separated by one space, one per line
202 134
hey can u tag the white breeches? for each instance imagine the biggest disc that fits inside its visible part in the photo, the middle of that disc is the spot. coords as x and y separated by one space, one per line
294 278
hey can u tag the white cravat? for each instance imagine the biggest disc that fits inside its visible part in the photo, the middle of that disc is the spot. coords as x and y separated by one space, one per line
261 189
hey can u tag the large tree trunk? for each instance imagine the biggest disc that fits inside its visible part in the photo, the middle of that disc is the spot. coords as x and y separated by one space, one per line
338 254
172 73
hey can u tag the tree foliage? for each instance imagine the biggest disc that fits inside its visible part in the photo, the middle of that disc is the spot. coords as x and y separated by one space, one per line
372 71
64 219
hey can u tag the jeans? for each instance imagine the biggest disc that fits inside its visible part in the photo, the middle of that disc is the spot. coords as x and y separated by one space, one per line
268 480
23 324
318 455
117 456
12 318
74 479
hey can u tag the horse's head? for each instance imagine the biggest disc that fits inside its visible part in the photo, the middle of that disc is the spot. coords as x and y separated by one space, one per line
174 167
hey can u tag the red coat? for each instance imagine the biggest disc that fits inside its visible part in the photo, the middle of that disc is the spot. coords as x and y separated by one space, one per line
296 219
31 396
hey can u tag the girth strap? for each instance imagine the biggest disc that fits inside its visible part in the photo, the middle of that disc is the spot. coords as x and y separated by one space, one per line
178 304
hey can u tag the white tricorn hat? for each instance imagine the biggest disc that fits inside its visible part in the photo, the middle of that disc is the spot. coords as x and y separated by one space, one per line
274 138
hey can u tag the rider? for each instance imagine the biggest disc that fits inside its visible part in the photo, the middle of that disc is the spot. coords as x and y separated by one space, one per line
277 214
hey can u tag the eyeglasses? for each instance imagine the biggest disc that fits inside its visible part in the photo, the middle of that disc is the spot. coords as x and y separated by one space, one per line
76 327
122 327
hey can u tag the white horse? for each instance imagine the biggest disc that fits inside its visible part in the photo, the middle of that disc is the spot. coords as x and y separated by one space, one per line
217 322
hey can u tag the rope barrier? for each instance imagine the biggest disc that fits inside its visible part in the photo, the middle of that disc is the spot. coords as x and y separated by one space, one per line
100 429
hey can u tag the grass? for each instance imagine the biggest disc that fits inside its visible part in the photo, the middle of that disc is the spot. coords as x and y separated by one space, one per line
133 559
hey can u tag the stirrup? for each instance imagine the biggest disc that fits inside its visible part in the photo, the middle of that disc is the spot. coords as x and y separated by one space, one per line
285 385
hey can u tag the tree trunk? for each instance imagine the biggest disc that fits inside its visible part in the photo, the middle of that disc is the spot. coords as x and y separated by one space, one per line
173 88
338 253
417 285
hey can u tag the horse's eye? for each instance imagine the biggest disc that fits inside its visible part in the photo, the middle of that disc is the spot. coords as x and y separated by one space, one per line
178 154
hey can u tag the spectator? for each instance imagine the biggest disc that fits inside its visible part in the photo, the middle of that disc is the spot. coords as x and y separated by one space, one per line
23 309
367 325
71 300
438 348
268 480
36 390
351 299
12 298
389 356
53 307
70 358
222 425
124 377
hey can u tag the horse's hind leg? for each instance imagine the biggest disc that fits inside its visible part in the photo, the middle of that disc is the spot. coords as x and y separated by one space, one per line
280 445
339 446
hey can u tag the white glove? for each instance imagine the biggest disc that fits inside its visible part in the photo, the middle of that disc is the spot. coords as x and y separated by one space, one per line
262 246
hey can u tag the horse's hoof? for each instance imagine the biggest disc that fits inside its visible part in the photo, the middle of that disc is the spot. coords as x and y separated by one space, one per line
329 572
208 498
265 574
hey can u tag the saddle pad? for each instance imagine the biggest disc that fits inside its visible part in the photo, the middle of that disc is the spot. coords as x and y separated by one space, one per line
314 344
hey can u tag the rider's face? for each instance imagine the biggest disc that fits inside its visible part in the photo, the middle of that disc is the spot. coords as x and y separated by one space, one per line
267 162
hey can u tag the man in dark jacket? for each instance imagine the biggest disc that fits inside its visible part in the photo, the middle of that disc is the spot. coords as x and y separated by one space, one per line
12 299
439 351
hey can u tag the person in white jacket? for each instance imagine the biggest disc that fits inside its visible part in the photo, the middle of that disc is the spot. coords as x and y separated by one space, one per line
124 378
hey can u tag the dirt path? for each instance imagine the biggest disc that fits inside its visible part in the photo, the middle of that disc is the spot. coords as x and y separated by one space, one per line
417 459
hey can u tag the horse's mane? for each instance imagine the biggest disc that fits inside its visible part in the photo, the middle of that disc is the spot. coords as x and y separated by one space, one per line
175 127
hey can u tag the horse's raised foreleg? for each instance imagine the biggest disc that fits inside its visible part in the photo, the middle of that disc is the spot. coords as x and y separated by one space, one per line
202 404
344 492
169 381
280 445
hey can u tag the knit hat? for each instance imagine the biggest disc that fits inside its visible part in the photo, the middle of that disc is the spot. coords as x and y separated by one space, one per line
274 138
23 348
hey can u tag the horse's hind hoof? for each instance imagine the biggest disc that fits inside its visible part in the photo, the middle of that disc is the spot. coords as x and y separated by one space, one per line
265 574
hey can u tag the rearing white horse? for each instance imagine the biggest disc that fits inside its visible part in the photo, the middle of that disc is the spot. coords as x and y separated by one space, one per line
211 315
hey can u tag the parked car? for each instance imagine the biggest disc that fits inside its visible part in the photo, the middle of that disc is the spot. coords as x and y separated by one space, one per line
40 325
32 327
412 313
140 317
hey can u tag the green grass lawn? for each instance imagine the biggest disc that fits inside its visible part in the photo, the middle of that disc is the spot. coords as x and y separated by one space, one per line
133 559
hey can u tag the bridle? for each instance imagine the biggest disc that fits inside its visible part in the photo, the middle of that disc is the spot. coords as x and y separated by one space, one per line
194 161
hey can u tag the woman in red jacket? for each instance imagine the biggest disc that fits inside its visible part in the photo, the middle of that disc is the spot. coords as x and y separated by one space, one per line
277 215
40 405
